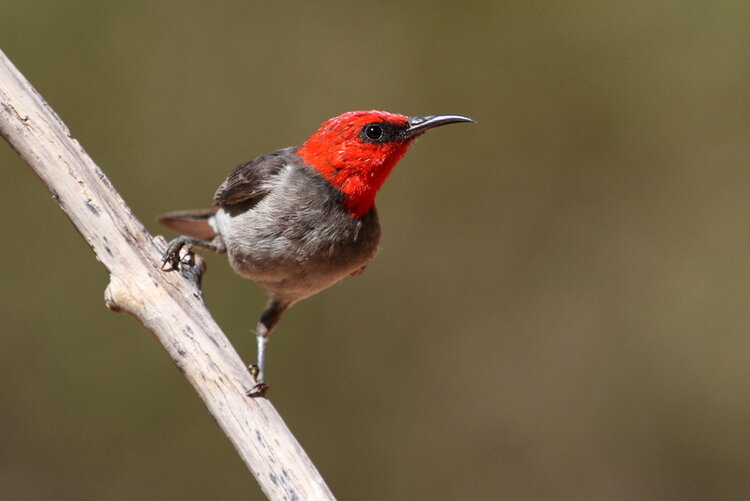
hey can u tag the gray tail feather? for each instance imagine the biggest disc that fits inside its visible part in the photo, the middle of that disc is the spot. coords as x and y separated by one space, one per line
193 223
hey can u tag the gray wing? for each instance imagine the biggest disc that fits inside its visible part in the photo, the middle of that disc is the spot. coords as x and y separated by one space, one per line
249 181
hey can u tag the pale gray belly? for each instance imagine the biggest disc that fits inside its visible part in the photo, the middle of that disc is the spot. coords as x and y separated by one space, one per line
295 254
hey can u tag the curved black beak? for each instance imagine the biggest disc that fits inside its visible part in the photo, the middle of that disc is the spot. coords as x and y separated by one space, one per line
418 125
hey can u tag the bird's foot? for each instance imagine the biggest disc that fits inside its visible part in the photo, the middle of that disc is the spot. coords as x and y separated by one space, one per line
178 251
260 388
258 391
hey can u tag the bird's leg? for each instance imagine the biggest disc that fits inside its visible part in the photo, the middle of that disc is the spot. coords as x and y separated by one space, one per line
171 258
268 320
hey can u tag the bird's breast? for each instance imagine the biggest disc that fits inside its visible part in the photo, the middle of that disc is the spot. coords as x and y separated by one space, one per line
298 239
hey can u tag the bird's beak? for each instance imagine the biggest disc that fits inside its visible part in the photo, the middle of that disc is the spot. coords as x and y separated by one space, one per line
418 125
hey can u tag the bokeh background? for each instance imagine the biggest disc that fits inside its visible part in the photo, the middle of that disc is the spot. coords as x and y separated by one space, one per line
560 306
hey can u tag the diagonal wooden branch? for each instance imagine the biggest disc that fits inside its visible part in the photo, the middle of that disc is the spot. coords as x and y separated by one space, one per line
169 305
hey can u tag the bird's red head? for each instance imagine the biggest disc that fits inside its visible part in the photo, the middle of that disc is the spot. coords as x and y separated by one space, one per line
356 151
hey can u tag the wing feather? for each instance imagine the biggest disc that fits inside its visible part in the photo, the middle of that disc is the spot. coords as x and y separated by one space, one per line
249 181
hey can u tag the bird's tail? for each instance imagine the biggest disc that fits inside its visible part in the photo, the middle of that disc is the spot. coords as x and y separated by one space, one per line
193 223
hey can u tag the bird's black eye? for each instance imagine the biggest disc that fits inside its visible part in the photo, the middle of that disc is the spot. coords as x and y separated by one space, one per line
373 132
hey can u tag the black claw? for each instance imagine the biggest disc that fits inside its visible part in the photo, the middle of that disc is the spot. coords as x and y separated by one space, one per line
258 391
260 388
171 256
168 262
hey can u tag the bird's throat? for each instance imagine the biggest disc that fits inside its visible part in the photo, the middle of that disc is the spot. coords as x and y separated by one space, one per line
358 177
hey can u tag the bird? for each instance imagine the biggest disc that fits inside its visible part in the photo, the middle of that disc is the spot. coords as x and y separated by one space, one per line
300 219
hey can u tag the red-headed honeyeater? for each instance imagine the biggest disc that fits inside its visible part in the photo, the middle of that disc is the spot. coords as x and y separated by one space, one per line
298 220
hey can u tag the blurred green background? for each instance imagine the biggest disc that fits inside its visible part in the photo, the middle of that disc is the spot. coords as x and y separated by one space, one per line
560 306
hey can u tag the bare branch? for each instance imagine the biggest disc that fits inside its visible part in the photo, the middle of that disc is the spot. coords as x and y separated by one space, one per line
168 304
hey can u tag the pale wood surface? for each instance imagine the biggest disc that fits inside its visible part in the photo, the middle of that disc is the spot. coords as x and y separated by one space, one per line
169 305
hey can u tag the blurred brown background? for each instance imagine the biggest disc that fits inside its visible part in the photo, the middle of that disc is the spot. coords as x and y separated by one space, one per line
560 306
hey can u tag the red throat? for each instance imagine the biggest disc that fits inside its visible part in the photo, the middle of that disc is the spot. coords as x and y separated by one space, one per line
353 165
